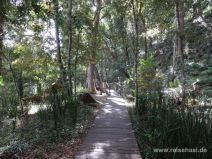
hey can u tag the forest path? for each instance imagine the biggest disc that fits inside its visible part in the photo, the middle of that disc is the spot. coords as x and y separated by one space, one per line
111 136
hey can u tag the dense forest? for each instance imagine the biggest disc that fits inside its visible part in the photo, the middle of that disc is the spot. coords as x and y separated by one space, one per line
57 55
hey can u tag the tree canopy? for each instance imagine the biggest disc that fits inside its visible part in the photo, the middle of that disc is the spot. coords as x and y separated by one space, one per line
155 51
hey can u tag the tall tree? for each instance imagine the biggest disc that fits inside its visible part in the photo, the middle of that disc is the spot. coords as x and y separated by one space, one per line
135 16
94 44
70 21
57 34
180 38
2 19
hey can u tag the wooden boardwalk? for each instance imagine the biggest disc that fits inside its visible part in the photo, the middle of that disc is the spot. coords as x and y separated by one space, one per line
111 136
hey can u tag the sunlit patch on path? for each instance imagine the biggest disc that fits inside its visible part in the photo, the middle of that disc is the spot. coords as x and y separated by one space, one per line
111 136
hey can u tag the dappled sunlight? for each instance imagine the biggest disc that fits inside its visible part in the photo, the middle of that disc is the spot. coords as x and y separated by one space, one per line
117 100
98 155
119 103
111 136
107 110
100 72
35 108
109 148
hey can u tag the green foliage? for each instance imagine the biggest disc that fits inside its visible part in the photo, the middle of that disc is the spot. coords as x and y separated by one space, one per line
9 102
1 81
148 78
165 127
30 61
174 84
146 71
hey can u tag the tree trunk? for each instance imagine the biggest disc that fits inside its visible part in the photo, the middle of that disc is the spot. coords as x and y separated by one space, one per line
91 78
91 66
180 39
136 52
174 58
1 43
20 85
18 88
75 64
39 88
2 14
54 108
70 49
145 40
99 78
59 56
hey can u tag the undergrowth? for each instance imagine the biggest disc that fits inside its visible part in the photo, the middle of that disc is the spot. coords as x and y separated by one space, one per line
38 138
165 127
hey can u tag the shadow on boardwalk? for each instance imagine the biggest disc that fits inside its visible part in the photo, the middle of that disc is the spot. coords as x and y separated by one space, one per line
111 136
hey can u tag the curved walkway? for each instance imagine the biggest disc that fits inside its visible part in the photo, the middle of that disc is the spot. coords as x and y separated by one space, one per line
111 136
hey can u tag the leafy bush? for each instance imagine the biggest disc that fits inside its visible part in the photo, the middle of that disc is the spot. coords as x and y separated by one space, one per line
146 73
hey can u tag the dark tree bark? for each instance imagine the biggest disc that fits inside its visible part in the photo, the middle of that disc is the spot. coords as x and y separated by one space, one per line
70 56
145 38
180 39
1 43
136 51
125 49
17 82
20 85
2 17
75 64
59 55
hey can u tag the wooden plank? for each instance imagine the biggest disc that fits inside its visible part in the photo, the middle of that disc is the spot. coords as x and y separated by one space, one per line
108 119
127 143
107 138
111 131
115 122
104 155
109 146
111 139
110 150
111 136
113 126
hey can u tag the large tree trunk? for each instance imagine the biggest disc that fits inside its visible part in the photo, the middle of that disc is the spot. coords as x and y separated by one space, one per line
94 44
99 78
91 78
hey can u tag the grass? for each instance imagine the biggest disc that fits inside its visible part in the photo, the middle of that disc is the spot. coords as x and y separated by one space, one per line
164 127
